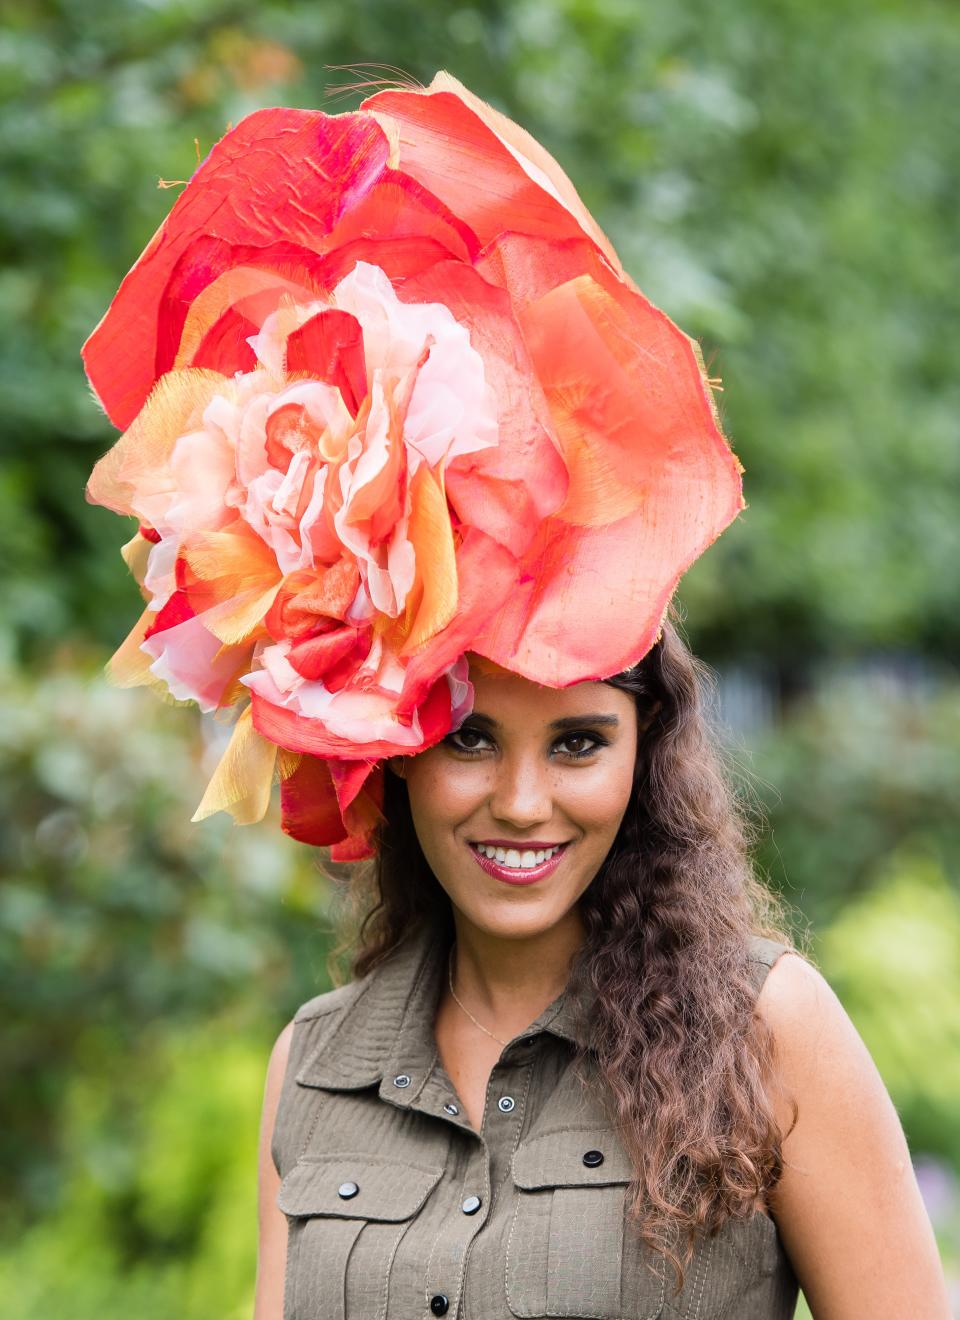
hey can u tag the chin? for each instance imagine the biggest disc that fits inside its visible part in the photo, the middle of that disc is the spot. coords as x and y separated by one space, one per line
511 921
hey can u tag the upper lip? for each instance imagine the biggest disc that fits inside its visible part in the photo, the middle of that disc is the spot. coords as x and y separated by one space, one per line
521 845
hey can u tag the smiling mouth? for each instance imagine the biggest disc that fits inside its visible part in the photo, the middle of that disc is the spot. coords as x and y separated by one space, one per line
518 859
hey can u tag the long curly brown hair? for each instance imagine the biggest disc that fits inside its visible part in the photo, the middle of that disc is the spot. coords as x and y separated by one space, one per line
668 918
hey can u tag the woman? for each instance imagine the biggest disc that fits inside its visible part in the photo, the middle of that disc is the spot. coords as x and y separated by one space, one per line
416 470
650 914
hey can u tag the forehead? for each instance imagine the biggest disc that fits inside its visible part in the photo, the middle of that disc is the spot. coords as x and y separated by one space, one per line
506 696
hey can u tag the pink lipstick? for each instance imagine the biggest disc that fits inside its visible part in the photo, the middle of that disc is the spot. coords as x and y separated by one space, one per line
513 875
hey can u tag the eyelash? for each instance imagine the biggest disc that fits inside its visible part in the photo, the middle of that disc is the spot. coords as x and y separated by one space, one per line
597 740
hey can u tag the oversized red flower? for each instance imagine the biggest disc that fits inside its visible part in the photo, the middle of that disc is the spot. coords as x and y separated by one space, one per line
389 398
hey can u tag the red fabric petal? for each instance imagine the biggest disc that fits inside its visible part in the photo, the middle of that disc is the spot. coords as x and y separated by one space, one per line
335 804
329 347
177 610
279 174
308 804
224 347
331 656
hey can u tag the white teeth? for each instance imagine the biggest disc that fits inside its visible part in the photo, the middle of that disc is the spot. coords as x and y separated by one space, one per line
512 857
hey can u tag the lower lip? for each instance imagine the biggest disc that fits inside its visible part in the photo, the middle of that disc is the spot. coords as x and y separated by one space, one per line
512 875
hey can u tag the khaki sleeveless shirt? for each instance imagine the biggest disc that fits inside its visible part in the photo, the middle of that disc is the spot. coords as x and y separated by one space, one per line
397 1208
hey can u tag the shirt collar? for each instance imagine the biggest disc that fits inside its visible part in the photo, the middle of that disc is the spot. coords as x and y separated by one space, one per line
386 1030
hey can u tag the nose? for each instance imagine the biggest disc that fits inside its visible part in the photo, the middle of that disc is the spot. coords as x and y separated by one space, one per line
521 796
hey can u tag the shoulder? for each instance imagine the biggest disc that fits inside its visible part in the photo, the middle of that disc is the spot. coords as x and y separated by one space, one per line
330 1002
795 998
810 1026
847 1205
817 1048
316 1010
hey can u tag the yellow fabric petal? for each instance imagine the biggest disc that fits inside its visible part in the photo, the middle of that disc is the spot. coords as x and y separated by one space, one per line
135 555
234 620
242 781
236 560
129 666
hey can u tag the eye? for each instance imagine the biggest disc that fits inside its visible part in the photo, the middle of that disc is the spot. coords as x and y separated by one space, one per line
464 732
593 739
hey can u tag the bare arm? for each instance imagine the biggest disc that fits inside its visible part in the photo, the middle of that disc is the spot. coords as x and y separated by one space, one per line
848 1207
272 1223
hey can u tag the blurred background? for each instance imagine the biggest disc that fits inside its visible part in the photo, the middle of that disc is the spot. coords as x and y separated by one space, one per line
782 179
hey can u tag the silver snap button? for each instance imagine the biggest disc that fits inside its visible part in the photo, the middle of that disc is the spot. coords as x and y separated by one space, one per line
401 1080
471 1205
451 1108
506 1103
347 1189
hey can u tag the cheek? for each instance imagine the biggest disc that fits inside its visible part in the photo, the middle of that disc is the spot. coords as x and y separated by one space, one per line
598 801
442 793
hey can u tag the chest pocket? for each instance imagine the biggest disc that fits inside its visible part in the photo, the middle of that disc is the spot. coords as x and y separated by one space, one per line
326 1216
569 1249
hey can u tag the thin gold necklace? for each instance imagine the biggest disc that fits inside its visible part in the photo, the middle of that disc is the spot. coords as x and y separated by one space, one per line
462 1005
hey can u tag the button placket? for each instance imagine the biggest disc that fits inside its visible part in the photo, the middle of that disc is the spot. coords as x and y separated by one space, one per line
447 1269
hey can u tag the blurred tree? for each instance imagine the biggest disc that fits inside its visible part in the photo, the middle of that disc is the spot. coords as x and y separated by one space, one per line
781 180
853 774
893 955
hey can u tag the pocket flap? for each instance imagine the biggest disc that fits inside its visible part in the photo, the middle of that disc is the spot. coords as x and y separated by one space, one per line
555 1159
387 1189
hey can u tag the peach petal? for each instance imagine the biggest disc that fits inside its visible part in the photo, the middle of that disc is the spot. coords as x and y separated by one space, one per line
126 479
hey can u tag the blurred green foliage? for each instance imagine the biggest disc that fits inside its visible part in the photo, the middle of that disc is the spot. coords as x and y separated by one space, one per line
782 181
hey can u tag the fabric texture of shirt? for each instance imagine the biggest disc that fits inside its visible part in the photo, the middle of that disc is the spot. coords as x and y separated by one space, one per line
397 1208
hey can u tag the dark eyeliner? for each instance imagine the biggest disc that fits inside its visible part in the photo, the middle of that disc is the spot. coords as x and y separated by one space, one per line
597 739
466 729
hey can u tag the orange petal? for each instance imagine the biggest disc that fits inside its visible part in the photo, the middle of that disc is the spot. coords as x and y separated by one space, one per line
231 561
432 601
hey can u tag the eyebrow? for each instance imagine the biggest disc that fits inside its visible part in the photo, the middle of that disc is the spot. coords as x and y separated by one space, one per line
567 722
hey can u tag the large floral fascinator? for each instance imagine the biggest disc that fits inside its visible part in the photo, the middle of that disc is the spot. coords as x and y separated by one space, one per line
388 397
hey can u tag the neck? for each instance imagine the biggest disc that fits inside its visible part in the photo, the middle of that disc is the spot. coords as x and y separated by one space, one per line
508 983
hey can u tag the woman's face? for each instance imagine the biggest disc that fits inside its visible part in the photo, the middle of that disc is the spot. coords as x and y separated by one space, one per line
529 769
